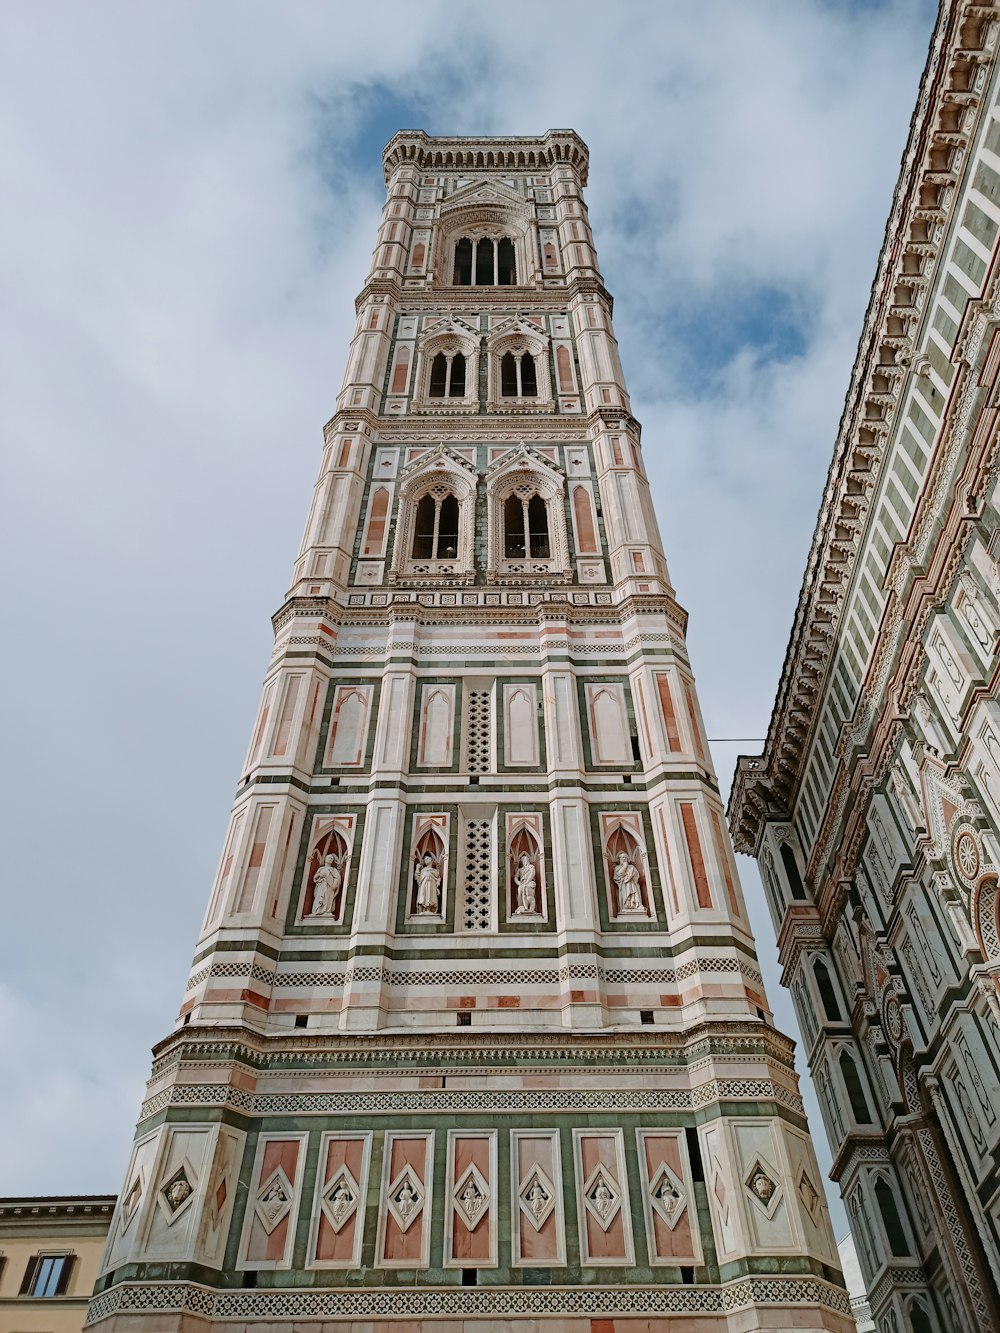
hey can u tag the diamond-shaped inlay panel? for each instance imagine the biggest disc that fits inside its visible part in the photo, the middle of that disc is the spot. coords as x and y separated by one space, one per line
130 1205
667 1195
809 1195
340 1199
471 1197
537 1198
406 1198
274 1200
602 1197
176 1194
762 1187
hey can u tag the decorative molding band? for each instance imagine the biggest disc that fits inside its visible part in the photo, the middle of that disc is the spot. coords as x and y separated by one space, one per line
471 1302
432 1101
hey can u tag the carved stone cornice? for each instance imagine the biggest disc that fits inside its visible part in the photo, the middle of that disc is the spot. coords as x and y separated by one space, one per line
508 152
951 96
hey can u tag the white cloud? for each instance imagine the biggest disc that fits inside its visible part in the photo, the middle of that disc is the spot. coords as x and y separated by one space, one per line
192 193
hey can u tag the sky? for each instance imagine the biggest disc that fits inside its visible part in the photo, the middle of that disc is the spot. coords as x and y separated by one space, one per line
192 196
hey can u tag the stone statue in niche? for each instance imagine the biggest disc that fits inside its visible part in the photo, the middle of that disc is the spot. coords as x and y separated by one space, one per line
326 887
629 884
428 886
525 882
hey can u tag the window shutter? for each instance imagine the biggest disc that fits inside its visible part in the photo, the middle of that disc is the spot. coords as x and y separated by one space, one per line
29 1274
65 1273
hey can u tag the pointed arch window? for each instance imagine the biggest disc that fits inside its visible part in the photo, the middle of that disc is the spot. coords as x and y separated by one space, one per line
435 528
795 884
891 1221
855 1092
485 262
518 376
526 528
827 994
447 376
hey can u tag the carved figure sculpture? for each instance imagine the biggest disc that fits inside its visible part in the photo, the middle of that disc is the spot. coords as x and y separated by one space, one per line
178 1192
326 887
602 1195
472 1200
527 889
428 885
273 1201
627 881
537 1199
340 1200
406 1200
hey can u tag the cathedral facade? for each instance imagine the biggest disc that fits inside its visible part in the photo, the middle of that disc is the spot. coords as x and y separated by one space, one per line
874 810
475 1034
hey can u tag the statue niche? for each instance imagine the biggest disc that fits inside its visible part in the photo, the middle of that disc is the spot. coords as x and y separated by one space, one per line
428 875
326 878
627 874
524 875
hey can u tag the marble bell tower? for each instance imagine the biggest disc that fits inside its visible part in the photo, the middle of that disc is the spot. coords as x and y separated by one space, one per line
475 1035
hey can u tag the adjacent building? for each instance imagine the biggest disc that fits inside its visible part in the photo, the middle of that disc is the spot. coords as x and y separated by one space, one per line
874 810
475 1034
50 1255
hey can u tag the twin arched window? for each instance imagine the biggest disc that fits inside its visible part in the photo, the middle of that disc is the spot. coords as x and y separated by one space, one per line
518 377
526 528
435 527
485 263
447 376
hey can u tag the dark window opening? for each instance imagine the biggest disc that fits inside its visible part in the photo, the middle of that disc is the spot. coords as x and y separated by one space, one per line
439 375
636 752
463 263
456 386
529 383
687 1277
464 1019
855 1092
447 543
538 528
826 992
484 263
506 269
890 1218
694 1153
645 1015
301 1020
423 529
513 527
470 1276
919 1319
508 376
795 884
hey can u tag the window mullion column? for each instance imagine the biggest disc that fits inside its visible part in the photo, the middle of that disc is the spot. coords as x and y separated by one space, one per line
437 527
496 263
475 260
527 531
447 376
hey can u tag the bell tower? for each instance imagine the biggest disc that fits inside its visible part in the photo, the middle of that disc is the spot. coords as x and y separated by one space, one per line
474 1028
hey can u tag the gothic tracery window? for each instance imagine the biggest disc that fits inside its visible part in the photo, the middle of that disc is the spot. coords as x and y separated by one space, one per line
447 376
526 528
484 262
435 527
518 376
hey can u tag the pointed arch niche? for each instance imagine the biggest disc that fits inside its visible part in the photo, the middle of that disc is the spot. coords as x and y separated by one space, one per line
430 851
322 904
527 525
482 238
436 527
525 853
626 867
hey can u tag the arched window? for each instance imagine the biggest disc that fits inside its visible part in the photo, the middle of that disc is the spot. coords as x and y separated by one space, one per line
447 376
518 377
919 1319
526 528
894 1232
826 991
485 262
855 1092
435 528
795 884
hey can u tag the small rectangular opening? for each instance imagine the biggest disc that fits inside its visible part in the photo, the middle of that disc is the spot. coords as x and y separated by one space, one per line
636 754
645 1015
627 779
687 1277
187 1019
474 780
760 1014
250 1278
301 1020
464 1019
469 1277
694 1153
